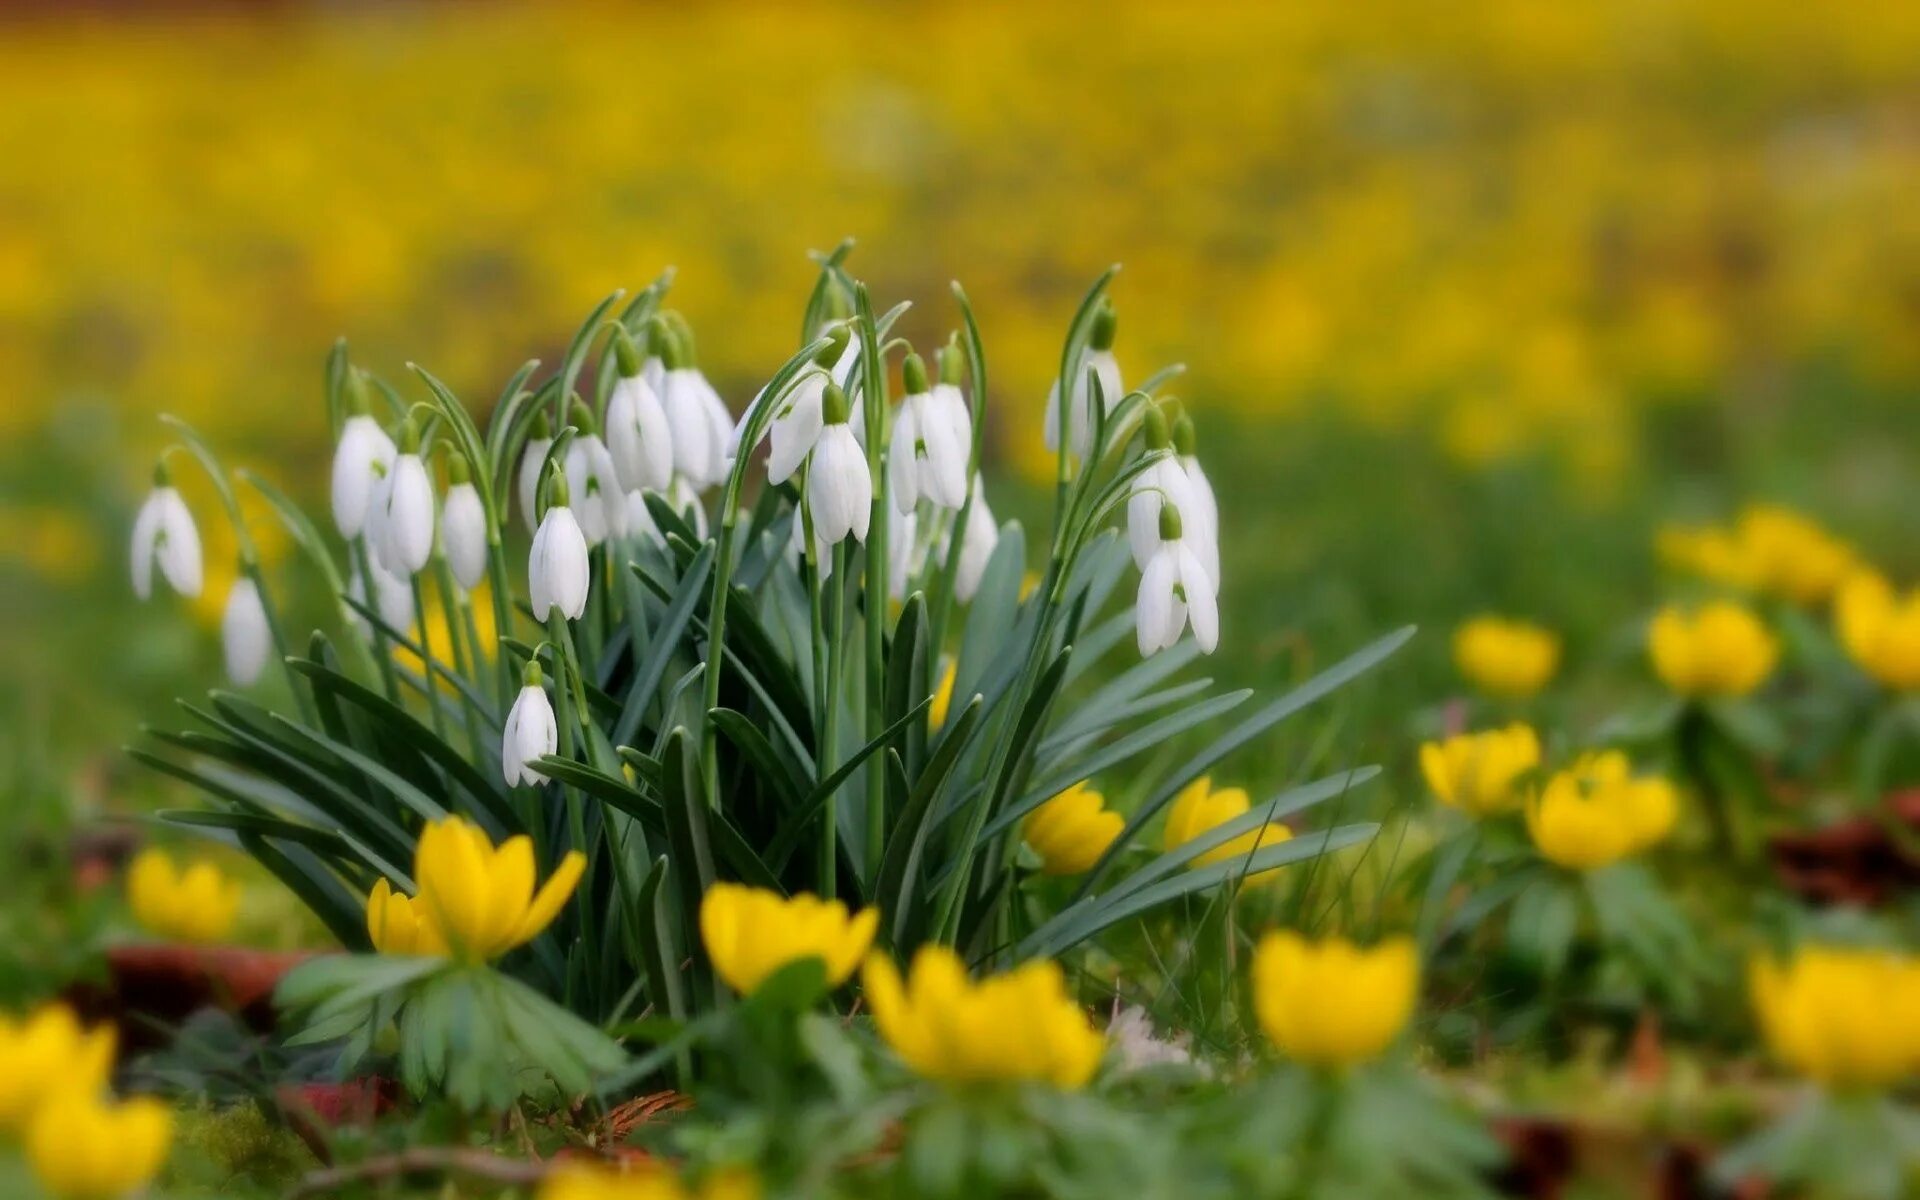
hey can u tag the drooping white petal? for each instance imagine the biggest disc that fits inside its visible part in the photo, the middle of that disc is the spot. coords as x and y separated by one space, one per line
977 544
531 732
796 426
244 634
1080 404
527 482
903 469
558 571
146 531
1159 485
1209 511
392 599
700 424
1196 587
951 403
904 554
593 487
839 489
1154 606
944 473
463 534
639 439
364 455
405 532
165 536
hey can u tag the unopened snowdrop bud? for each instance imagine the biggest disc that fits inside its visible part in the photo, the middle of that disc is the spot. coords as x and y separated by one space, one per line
1175 591
244 634
1156 490
533 461
700 424
362 459
928 459
638 436
1099 360
403 533
797 421
557 569
839 489
164 534
599 502
463 525
531 731
1205 508
977 544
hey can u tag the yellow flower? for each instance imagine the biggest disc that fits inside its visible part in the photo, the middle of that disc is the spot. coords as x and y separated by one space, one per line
1476 772
1770 549
1021 1025
750 933
195 905
1880 629
1843 1017
1597 812
1711 553
942 699
47 1052
1501 657
399 925
83 1147
1071 831
648 1181
1719 649
479 898
1331 1003
1199 808
440 632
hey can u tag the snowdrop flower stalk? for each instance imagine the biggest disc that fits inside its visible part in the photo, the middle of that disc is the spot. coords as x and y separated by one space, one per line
246 637
695 413
839 486
1175 591
164 535
558 570
1098 359
638 437
463 525
531 731
599 502
402 523
362 459
928 456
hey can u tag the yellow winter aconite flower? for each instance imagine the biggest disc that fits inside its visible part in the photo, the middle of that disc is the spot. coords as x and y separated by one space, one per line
583 1181
1880 629
480 898
1071 831
1200 807
1506 658
1478 772
195 905
750 933
1770 549
1596 812
1843 1017
398 924
48 1051
1331 1003
1017 1026
1718 649
84 1147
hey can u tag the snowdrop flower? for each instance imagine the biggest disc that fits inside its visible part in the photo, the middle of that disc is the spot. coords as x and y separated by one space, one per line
402 520
928 459
638 436
244 635
362 459
1206 508
839 488
977 544
557 570
531 731
797 422
1163 483
1099 359
164 534
797 546
905 555
1175 590
392 599
463 525
600 503
532 462
695 413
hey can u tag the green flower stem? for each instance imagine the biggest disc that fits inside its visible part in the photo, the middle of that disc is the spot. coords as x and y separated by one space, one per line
957 532
426 659
450 608
382 650
498 586
572 711
830 726
879 551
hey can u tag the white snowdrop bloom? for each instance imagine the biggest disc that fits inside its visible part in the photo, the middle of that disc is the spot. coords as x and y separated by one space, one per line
599 502
1099 359
1205 507
532 462
244 635
638 435
905 555
364 457
796 546
796 426
698 419
640 523
392 599
839 488
1163 483
977 544
531 731
463 529
558 571
402 524
1175 591
925 459
164 534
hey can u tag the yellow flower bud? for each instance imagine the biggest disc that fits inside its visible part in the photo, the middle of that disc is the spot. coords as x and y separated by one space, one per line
1880 629
1199 808
1018 1026
480 898
1719 649
1478 772
1071 831
1331 1003
82 1147
1509 659
46 1052
751 933
1845 1018
196 905
1597 812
